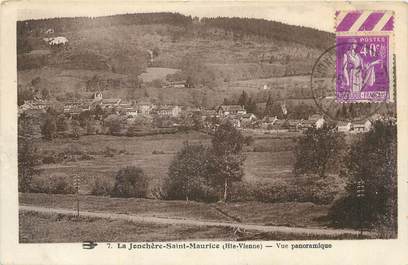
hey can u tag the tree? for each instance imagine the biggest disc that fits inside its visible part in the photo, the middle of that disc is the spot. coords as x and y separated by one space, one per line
90 127
371 159
268 107
45 93
49 128
98 112
197 121
26 154
114 124
250 106
316 150
130 182
24 94
61 123
75 129
227 159
84 117
156 51
188 178
243 99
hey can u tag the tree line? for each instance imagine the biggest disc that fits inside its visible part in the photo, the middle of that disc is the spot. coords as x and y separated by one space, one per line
368 166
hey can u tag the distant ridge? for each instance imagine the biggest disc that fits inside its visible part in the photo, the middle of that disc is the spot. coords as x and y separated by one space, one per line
240 26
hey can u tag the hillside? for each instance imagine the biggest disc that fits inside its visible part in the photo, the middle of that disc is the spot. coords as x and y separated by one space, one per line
113 53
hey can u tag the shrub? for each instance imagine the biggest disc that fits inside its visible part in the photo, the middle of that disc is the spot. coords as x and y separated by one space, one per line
101 186
49 159
86 157
109 152
308 189
57 184
130 182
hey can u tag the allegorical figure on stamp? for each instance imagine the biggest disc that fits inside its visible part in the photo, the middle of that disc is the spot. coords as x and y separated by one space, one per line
357 74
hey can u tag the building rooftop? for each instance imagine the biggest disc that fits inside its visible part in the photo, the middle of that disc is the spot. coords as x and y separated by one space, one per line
230 108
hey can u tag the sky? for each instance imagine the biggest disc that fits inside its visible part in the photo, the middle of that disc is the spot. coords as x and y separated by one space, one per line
318 15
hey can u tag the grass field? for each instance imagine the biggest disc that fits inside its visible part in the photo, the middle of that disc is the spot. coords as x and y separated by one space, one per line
58 228
259 166
153 73
284 214
44 228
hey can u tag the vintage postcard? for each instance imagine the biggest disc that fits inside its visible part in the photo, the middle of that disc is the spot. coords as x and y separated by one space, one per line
222 132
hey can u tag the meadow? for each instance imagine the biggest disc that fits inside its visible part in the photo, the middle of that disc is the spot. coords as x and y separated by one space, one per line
44 228
154 153
57 228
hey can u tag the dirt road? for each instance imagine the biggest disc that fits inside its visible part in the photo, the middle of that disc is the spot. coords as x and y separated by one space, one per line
191 222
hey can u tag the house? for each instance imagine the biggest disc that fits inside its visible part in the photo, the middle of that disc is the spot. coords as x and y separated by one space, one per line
97 96
144 107
277 125
225 110
173 111
33 106
248 120
208 113
361 126
248 117
293 125
110 102
267 122
306 124
56 41
317 119
72 111
344 126
131 113
179 84
176 84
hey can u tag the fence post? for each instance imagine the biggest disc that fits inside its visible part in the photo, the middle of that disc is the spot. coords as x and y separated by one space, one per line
360 195
76 185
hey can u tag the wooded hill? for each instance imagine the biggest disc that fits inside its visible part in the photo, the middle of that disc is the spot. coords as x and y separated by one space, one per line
211 52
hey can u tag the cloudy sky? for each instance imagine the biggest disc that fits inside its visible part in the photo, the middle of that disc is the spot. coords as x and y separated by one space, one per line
313 14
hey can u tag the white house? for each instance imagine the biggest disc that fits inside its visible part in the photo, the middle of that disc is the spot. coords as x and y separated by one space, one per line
361 126
173 111
56 41
318 120
225 110
145 107
320 123
344 127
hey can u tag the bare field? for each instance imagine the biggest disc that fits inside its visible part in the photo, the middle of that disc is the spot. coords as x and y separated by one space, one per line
259 166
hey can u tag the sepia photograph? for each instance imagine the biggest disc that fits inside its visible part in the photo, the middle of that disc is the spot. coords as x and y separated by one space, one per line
206 125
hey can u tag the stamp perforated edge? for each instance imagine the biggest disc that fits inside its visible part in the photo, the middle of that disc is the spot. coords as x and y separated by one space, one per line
392 56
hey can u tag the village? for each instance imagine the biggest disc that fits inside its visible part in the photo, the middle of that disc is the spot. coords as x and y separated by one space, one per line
96 115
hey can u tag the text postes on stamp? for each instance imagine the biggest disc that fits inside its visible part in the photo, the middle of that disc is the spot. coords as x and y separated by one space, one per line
363 56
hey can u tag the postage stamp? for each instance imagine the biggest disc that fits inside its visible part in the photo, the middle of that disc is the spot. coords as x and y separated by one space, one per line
364 56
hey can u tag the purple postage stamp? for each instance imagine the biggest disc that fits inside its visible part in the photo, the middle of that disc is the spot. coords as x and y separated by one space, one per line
364 70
